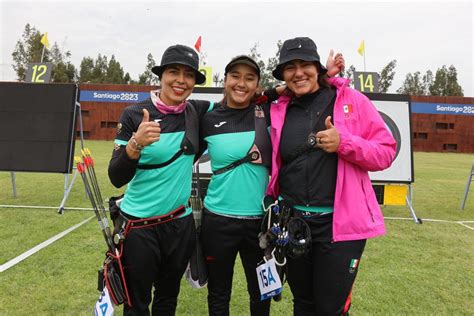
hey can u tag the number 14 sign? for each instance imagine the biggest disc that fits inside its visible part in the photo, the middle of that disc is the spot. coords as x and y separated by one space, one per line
366 81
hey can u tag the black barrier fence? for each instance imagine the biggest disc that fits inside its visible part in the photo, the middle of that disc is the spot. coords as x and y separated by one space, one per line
37 124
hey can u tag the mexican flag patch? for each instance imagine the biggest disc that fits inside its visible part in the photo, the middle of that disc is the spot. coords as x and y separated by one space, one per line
348 108
353 266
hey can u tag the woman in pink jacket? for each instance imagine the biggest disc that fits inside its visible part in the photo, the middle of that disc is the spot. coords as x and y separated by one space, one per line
326 137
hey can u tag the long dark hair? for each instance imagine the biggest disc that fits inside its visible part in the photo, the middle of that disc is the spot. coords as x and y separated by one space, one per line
322 76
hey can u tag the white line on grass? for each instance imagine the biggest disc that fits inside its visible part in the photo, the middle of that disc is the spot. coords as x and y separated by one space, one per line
44 244
434 220
48 207
462 223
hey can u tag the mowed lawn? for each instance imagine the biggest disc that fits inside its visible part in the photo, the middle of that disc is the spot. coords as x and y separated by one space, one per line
425 269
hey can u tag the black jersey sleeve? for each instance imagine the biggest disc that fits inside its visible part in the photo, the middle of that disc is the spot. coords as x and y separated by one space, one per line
202 107
271 94
121 168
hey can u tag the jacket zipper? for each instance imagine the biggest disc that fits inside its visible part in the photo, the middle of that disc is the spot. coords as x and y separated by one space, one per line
365 198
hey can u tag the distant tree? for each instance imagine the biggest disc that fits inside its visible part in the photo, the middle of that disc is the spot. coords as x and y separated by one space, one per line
255 55
147 77
218 82
386 76
427 82
127 79
446 83
443 83
63 70
413 85
267 80
28 50
114 73
99 72
349 74
86 68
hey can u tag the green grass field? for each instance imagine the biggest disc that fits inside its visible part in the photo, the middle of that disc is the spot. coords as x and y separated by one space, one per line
425 269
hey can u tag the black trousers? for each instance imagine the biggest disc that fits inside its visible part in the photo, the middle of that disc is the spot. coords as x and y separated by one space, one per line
156 257
321 281
222 238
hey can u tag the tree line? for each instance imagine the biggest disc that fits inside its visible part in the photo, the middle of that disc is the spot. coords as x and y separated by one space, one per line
443 82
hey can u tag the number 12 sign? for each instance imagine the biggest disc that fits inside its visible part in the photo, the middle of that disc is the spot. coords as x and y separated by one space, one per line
39 72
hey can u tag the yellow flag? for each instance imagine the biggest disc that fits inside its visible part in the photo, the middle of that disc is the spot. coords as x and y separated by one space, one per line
44 40
361 49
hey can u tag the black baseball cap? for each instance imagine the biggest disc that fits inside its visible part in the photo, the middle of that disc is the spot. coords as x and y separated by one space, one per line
182 55
242 59
302 48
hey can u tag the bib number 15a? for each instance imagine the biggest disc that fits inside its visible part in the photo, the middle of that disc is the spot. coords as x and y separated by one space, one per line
268 279
104 306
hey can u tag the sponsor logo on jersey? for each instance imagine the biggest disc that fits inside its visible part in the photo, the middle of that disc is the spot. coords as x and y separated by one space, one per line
220 124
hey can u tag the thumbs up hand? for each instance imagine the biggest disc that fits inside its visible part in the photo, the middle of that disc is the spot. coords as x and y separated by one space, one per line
328 140
335 64
146 116
148 132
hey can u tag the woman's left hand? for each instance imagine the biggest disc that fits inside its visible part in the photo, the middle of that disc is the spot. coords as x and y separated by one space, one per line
328 140
335 64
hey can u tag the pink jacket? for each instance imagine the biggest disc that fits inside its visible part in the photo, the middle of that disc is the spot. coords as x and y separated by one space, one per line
365 145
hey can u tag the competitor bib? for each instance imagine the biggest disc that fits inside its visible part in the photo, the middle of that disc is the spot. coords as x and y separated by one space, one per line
104 306
268 279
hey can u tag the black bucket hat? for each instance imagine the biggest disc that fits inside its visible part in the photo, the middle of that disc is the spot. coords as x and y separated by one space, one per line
242 59
183 55
302 48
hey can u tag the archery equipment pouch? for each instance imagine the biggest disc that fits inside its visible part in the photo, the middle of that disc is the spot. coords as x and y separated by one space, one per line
112 276
196 272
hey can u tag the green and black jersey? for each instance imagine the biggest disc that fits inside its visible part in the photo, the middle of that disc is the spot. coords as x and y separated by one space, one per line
229 134
153 192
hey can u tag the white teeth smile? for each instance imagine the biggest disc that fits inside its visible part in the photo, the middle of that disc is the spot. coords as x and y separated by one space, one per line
179 90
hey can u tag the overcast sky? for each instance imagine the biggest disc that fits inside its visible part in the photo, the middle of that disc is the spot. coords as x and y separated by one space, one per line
420 35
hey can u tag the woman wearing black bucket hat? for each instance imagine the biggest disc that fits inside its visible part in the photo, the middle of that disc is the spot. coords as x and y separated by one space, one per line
155 147
325 137
236 135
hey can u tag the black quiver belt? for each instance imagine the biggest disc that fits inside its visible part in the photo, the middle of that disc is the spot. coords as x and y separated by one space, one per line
273 237
112 276
283 234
